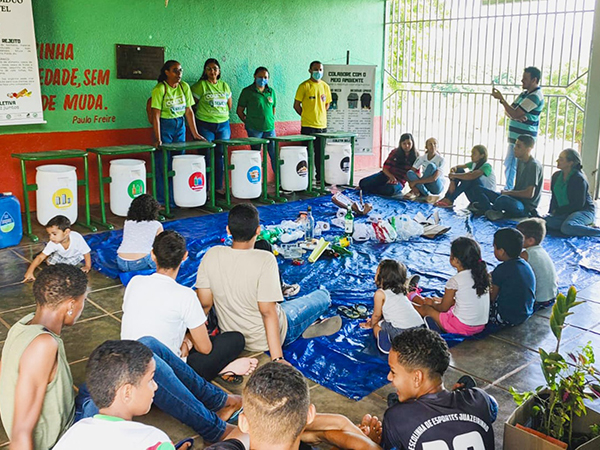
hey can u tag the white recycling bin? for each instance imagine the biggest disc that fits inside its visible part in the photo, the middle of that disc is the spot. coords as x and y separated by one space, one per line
294 170
189 182
57 192
128 182
337 167
246 176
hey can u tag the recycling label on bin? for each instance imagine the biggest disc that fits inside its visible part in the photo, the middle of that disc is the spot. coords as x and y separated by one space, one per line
63 198
253 174
7 223
135 188
345 164
302 169
196 181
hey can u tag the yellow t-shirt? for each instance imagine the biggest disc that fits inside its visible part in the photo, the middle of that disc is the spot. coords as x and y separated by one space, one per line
314 96
238 280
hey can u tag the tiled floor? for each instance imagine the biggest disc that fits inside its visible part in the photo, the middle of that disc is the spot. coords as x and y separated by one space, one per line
506 359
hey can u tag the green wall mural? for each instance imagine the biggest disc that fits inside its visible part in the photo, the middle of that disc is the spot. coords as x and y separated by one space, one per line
77 56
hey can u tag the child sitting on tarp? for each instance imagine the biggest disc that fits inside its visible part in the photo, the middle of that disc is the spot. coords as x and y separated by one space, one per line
66 247
392 311
465 307
546 281
139 231
513 281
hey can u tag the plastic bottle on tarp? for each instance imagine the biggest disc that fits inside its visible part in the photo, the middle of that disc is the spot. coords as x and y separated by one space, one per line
310 225
11 228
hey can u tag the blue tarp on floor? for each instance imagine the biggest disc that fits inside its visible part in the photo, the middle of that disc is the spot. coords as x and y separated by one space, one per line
333 361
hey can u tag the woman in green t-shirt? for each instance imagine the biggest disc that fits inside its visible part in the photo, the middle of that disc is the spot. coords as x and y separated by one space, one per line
171 104
213 103
480 175
256 108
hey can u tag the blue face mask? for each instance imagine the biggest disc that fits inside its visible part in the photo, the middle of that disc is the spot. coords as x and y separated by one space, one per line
261 82
317 75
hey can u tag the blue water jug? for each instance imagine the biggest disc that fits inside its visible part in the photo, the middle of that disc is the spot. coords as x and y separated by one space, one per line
11 229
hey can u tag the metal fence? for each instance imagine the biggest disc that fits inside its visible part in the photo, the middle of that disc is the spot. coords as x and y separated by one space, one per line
444 57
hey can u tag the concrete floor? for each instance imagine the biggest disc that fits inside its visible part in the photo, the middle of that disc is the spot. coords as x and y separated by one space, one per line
497 362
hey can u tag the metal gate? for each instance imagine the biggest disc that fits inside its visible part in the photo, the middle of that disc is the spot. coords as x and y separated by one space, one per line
443 57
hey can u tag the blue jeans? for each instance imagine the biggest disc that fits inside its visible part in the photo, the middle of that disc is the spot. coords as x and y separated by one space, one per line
212 131
575 224
171 130
435 187
510 167
181 393
144 263
378 184
511 206
270 145
464 186
302 312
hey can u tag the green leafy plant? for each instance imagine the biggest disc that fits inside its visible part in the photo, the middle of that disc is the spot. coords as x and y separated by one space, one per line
569 381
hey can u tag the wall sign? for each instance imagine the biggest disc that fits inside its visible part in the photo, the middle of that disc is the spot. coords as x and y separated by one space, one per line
351 109
20 95
139 62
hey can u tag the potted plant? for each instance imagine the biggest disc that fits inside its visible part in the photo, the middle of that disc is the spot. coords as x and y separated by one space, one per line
554 415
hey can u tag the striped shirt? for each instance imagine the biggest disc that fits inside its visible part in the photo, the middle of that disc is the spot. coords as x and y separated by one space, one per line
532 104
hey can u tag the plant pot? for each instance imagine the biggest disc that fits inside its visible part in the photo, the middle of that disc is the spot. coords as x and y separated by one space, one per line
515 438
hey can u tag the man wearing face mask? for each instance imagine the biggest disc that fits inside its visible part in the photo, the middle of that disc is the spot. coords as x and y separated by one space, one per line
311 103
256 108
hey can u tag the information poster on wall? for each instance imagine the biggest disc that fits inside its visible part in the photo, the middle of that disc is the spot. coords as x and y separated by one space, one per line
20 95
351 109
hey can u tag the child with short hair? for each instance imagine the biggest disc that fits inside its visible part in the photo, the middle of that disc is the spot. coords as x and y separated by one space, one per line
139 231
392 310
513 282
120 379
546 281
66 246
465 307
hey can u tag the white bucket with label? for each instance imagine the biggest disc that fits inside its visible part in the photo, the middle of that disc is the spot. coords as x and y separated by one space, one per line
337 167
128 182
294 170
246 176
57 192
189 182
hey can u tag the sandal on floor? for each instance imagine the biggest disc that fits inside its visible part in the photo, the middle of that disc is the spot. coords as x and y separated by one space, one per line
185 441
289 290
234 417
362 310
443 204
348 313
231 377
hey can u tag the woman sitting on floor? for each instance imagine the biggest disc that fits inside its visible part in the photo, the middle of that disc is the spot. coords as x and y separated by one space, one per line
431 183
392 178
480 174
572 210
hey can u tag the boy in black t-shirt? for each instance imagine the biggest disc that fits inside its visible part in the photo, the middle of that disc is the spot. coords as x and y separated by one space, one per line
427 413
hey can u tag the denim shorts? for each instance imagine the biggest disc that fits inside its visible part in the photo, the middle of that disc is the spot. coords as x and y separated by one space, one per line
144 263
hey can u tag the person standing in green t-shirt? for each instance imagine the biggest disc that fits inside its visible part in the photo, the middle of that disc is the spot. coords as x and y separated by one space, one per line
256 108
171 107
213 103
480 175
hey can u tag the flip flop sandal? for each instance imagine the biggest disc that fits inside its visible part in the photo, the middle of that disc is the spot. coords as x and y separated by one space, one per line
349 313
234 417
231 377
361 310
185 441
289 290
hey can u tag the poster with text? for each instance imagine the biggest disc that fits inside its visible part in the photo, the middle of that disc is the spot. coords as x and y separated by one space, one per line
20 95
351 109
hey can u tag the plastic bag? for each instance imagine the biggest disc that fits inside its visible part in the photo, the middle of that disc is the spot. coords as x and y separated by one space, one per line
407 228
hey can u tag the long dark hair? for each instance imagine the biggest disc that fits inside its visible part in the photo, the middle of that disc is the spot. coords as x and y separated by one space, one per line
166 66
482 150
392 276
412 155
467 251
206 63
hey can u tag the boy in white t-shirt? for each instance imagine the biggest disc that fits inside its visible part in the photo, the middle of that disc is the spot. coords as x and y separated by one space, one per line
120 378
65 247
431 181
156 305
546 280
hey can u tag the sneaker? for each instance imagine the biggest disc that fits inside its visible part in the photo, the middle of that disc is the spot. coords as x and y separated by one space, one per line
432 325
413 283
494 215
383 342
325 327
